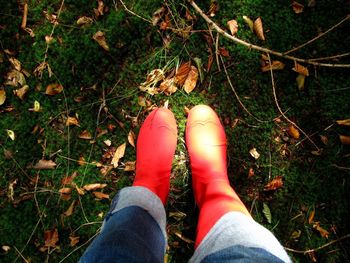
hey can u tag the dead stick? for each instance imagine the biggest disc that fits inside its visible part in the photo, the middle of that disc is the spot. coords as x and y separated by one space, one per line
255 47
25 14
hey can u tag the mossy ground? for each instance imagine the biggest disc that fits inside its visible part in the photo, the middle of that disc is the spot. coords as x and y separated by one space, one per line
85 70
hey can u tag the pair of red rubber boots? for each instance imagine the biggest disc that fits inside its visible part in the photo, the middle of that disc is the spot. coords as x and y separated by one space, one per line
206 145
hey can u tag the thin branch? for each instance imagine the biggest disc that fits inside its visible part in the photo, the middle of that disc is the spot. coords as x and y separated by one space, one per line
319 36
318 248
25 14
131 12
280 110
330 57
217 53
255 47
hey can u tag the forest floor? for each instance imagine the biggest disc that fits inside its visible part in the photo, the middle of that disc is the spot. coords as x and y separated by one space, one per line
79 77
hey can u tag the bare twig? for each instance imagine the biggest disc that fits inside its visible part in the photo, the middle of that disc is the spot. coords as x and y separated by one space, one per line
319 36
130 11
217 53
25 14
255 47
280 110
330 57
20 254
318 248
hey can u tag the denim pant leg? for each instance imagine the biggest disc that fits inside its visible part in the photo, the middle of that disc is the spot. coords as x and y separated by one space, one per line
133 230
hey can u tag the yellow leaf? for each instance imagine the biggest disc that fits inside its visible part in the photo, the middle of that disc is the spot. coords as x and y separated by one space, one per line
296 234
44 165
191 80
300 69
275 65
72 121
249 22
84 20
91 187
344 122
2 96
297 8
11 134
344 139
36 106
53 89
119 153
21 92
100 38
100 195
233 26
258 28
300 81
293 132
131 138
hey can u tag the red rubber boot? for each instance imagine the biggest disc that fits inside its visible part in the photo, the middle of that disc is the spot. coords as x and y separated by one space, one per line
155 150
206 144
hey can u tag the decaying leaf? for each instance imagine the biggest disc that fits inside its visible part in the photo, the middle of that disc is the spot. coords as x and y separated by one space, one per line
99 11
119 153
15 78
233 26
182 73
100 195
92 187
80 190
251 172
344 122
224 52
300 69
84 20
100 38
296 234
11 134
297 7
311 217
72 121
107 142
51 238
249 22
154 77
131 138
344 139
213 8
300 81
274 184
73 240
36 107
322 231
85 135
324 139
16 64
44 165
70 209
275 65
293 132
258 28
168 86
65 190
2 96
191 80
69 179
157 15
21 92
130 166
200 68
53 89
5 248
267 213
254 153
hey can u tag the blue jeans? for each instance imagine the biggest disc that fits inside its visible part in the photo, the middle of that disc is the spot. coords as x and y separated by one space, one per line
134 231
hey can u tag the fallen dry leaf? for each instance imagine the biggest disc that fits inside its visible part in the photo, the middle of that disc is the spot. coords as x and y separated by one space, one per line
322 231
85 135
80 190
311 217
70 209
254 153
72 121
21 92
297 7
44 165
157 15
53 89
51 238
249 22
100 38
275 65
73 240
15 78
274 184
191 80
81 161
48 39
69 179
168 86
213 8
300 69
182 73
324 139
119 153
344 139
100 195
344 122
91 187
99 11
84 20
233 26
15 63
293 132
224 52
130 166
2 96
5 248
107 142
65 190
251 172
258 28
131 138
300 81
